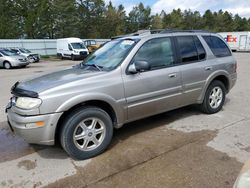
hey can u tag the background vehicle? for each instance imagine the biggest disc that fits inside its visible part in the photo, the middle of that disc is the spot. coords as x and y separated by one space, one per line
72 48
91 45
9 59
32 57
238 41
127 79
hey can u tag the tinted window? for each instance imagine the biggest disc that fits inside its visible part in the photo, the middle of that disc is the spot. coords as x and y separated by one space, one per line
218 46
187 49
78 45
157 52
200 49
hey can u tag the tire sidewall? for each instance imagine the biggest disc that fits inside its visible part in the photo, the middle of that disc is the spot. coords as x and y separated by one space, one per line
210 88
69 128
7 63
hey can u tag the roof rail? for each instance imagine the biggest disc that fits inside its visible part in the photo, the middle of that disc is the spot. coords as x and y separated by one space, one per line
183 31
139 33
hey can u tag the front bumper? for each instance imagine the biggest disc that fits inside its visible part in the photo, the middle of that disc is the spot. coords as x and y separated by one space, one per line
19 63
44 135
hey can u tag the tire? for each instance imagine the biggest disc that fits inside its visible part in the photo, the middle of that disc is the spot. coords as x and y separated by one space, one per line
7 65
73 58
214 98
79 140
23 66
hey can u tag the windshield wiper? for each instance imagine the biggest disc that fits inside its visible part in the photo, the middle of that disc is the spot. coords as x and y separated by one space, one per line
92 65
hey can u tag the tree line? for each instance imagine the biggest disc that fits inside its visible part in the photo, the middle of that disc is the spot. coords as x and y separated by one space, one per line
38 19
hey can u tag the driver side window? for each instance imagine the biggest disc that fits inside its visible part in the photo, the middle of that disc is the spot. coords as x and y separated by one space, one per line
157 52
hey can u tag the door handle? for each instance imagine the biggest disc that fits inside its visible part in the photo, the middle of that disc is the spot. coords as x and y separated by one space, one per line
174 75
208 68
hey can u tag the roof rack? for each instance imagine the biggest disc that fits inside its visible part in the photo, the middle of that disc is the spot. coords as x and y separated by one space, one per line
139 33
183 31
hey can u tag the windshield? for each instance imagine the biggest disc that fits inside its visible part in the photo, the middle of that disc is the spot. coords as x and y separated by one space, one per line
78 45
23 50
111 55
7 53
92 42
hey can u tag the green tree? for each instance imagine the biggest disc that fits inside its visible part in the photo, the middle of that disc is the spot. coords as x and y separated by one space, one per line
156 22
139 18
241 24
8 22
66 19
192 20
114 21
174 20
90 14
208 21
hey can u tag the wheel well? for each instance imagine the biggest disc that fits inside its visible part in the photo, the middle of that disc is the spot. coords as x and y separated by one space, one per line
6 62
97 103
224 80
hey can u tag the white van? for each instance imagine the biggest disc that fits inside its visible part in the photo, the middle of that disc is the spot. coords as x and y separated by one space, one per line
238 41
72 48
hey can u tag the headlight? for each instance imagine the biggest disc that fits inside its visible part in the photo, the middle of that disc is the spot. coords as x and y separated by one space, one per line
28 103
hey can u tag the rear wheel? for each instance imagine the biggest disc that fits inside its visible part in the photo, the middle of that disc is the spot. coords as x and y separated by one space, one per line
214 98
86 132
7 65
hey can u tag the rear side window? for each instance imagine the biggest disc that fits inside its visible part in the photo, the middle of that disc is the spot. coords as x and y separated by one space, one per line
187 49
218 46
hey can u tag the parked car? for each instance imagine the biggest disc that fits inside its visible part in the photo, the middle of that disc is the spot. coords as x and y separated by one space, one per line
9 59
127 79
91 45
72 48
32 57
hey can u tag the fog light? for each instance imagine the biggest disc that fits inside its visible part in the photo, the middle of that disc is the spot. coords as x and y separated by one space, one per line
35 125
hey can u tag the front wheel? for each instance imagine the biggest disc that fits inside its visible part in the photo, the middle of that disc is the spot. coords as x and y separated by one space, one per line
7 65
214 98
86 132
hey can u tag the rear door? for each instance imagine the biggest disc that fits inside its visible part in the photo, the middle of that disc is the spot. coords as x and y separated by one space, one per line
158 89
243 42
193 67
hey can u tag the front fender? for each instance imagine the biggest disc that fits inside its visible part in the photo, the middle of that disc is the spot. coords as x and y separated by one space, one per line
117 105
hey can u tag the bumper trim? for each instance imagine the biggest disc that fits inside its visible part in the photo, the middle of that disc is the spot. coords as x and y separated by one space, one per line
38 135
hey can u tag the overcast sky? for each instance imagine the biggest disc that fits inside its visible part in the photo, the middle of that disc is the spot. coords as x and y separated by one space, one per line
242 7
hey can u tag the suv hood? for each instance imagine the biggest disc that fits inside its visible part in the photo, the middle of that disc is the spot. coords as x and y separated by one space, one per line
55 79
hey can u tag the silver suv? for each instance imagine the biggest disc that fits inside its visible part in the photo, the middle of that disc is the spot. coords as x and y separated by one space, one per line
127 79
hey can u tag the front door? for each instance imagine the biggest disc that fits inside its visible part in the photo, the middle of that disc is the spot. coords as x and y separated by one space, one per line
158 89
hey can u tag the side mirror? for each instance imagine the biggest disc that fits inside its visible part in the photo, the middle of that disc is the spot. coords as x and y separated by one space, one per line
138 66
